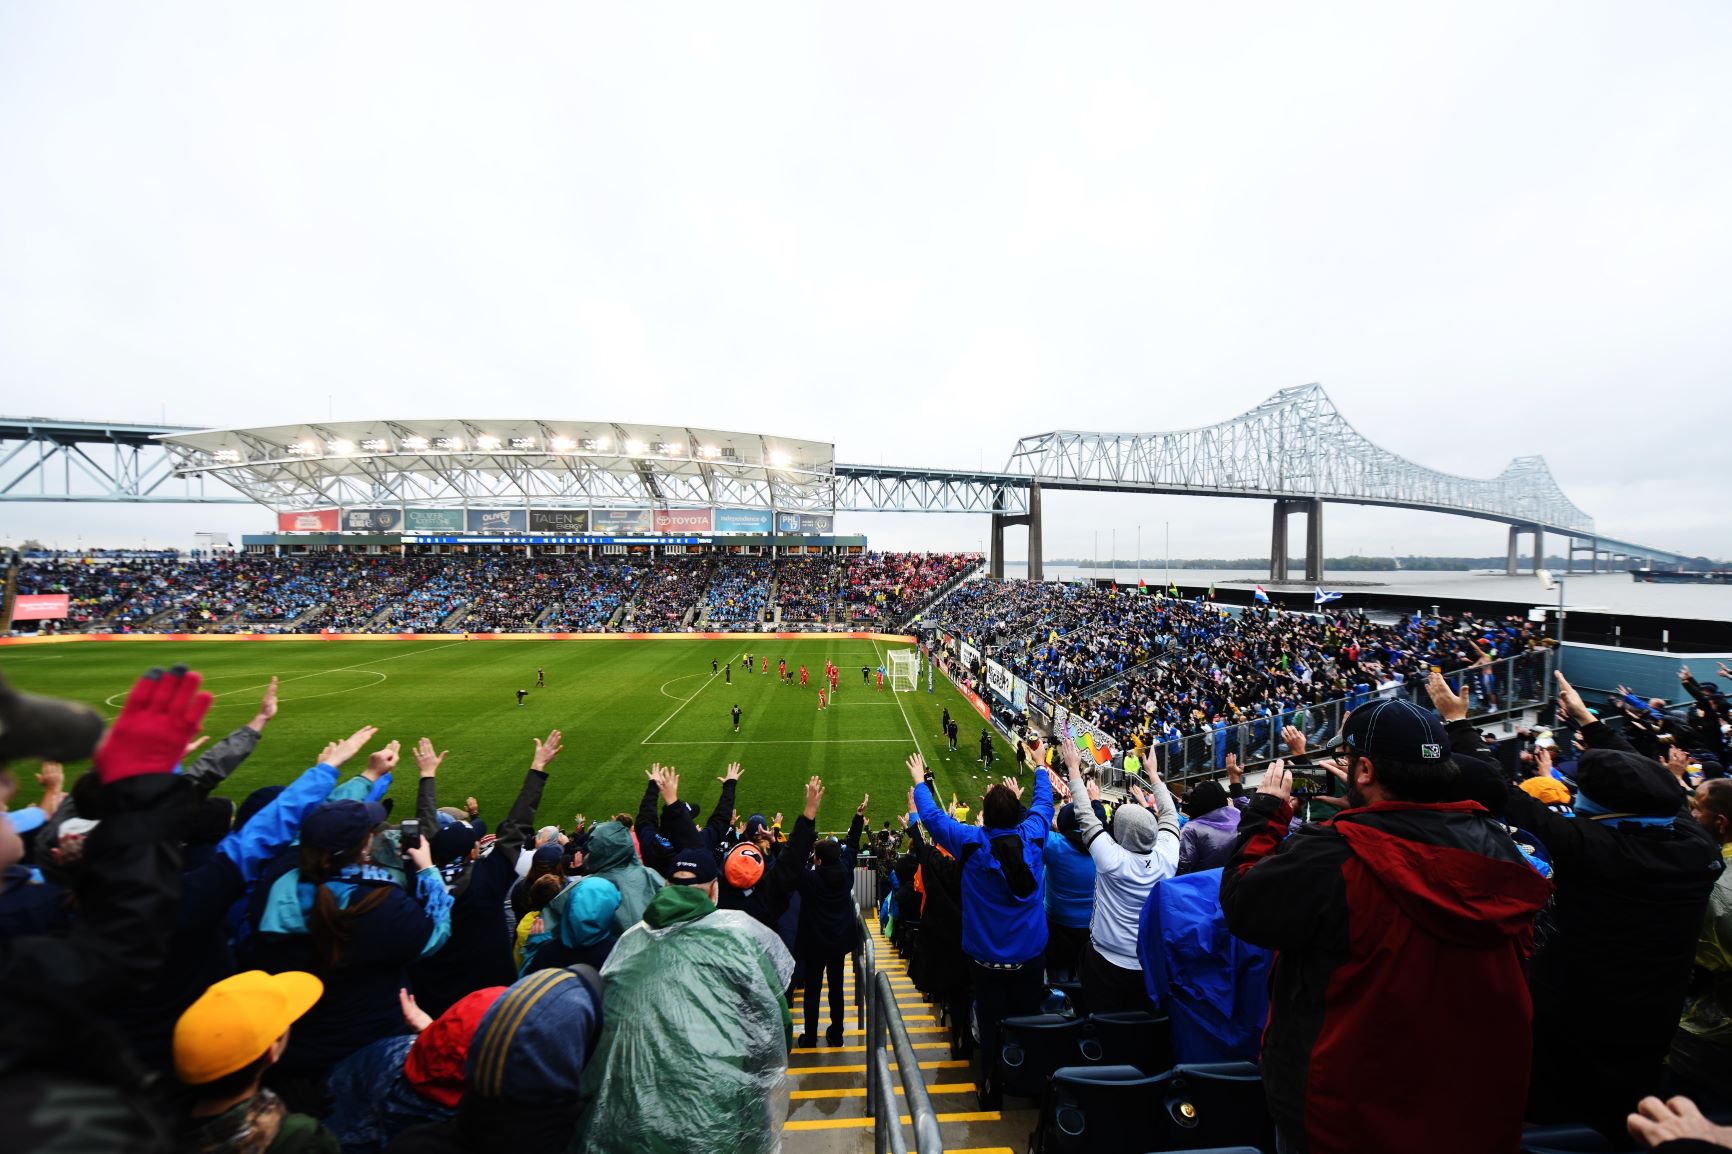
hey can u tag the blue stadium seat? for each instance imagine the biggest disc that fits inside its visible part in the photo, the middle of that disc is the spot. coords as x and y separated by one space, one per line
1135 1038
1034 1045
1120 1110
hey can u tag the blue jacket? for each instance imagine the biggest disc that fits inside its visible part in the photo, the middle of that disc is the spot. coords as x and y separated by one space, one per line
1070 882
997 924
1213 986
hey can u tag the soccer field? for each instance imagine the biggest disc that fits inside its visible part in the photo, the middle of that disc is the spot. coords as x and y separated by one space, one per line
621 704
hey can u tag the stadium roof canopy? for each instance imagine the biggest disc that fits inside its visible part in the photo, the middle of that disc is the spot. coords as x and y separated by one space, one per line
547 464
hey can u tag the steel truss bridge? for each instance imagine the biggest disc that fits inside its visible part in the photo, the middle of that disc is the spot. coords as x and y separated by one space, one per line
1295 449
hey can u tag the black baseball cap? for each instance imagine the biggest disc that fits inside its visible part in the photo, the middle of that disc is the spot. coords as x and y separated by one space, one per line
699 863
1394 728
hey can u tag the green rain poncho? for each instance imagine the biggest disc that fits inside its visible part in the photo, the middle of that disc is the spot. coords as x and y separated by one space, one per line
693 1056
611 856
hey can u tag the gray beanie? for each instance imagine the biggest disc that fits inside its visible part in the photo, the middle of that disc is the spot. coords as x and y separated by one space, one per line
1134 828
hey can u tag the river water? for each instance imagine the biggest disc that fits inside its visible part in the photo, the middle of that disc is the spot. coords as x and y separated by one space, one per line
1586 592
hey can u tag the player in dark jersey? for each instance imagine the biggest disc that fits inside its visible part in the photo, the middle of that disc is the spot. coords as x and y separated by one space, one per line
715 667
521 694
736 719
540 677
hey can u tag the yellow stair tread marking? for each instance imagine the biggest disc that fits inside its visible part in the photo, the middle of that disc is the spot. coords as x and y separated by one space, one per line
948 1064
860 1091
866 1123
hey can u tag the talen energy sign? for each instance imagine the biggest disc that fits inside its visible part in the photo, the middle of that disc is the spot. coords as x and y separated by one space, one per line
559 520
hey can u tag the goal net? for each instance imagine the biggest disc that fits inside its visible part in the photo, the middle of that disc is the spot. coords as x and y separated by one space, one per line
904 670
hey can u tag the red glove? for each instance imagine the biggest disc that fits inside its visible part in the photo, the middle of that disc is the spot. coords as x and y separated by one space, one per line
160 716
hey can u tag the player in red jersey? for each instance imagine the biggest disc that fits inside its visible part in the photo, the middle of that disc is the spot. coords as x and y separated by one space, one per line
766 669
782 669
880 681
802 677
821 699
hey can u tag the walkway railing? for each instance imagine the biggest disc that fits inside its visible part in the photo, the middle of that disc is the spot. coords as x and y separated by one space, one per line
886 1035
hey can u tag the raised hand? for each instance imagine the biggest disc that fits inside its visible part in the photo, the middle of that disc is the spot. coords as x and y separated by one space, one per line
420 856
1449 706
732 773
267 708
1234 773
1683 673
1294 740
1138 796
1571 702
917 767
545 751
192 746
414 1016
1094 788
337 752
860 809
383 761
52 777
426 760
814 795
1672 1120
1069 754
1543 762
912 808
471 806
668 779
1013 785
1277 781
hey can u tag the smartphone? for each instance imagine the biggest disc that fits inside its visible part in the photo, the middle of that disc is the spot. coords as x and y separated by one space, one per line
409 835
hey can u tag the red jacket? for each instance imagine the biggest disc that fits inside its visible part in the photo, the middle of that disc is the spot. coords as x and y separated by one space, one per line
1399 1016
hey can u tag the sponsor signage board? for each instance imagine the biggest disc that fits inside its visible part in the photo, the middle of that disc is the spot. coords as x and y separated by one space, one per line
683 520
433 520
372 520
620 520
969 654
805 523
998 679
559 520
308 521
742 521
497 521
41 606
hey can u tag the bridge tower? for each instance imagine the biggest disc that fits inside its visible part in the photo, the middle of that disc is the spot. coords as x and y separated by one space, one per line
995 560
1285 507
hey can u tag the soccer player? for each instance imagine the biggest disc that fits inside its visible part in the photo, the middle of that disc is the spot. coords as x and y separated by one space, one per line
521 694
736 719
821 699
540 677
944 723
765 669
713 667
986 749
954 728
728 673
880 679
802 677
782 669
865 675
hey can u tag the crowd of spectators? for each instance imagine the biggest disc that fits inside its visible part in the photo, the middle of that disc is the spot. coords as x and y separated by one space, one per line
590 593
1190 681
807 588
670 588
738 591
883 588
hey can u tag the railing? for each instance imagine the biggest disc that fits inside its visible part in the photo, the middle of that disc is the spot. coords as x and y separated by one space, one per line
879 1017
1517 683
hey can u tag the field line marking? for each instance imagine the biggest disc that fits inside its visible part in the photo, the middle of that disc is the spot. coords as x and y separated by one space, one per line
110 702
899 706
792 741
686 702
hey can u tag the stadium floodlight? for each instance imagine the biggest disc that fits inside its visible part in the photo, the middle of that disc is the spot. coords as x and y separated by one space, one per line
595 444
227 456
780 458
634 447
415 444
487 441
374 445
667 448
904 670
522 444
563 444
448 444
304 448
339 447
709 452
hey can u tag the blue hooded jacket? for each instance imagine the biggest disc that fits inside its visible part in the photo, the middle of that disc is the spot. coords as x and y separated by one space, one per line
998 924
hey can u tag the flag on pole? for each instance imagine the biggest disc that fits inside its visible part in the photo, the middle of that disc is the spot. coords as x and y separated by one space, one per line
1323 595
1211 590
1259 595
1142 586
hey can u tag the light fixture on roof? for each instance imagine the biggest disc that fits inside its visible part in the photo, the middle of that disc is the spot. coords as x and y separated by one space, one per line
780 458
339 447
522 444
448 444
709 452
563 444
304 448
667 448
634 447
415 444
487 441
374 445
593 444
227 456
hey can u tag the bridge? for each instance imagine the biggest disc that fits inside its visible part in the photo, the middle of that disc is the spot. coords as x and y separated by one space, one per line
1295 449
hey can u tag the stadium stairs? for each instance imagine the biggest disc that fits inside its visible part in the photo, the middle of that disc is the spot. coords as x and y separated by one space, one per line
901 624
827 1113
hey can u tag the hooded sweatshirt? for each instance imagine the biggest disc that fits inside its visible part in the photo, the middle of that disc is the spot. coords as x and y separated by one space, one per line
1143 850
1003 916
1206 842
1401 931
612 855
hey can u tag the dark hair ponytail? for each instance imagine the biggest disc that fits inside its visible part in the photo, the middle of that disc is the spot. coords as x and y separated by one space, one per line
330 925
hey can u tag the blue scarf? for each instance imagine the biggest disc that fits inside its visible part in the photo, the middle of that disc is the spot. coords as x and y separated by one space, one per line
1589 808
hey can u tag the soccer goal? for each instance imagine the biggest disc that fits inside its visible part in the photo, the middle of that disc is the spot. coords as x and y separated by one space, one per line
904 670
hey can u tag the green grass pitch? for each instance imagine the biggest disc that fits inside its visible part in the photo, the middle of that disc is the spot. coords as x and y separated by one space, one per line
621 705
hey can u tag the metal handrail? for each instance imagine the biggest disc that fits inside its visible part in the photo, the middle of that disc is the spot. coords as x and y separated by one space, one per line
875 1002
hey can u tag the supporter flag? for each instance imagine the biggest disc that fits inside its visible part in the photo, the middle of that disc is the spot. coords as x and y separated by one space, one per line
1142 586
1211 590
1323 596
1173 589
1258 595
1102 755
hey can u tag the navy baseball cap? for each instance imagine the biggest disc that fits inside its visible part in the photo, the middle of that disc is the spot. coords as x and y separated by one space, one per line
337 825
699 863
1396 729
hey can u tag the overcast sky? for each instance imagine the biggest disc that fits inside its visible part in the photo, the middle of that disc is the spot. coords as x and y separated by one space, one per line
917 231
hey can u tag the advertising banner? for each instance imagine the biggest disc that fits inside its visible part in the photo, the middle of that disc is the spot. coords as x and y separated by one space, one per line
498 521
41 606
372 520
559 520
998 679
619 521
969 654
308 521
433 520
742 521
805 523
682 520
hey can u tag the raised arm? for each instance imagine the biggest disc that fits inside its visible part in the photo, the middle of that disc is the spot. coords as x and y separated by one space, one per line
716 829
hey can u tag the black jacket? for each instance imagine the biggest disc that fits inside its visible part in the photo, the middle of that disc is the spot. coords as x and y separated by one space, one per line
828 921
1615 955
768 900
938 966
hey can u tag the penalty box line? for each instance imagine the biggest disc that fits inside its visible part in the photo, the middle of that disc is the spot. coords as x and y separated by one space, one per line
696 693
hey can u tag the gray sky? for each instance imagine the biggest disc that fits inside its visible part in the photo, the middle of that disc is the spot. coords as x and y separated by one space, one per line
917 231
